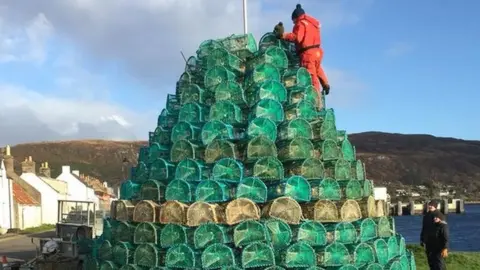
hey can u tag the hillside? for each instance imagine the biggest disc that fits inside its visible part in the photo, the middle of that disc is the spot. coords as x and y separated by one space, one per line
390 158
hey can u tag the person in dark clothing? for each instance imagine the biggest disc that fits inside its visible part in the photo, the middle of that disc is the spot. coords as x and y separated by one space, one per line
427 223
436 242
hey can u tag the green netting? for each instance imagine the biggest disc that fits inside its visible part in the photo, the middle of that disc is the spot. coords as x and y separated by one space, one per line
304 109
342 170
367 188
161 135
313 233
227 112
175 234
296 77
359 170
348 150
295 187
368 230
105 251
312 95
310 168
402 248
148 255
183 149
329 189
243 46
230 91
91 263
330 150
206 48
219 149
268 169
298 148
252 188
260 146
216 130
193 93
249 231
381 251
141 172
128 190
280 233
275 267
269 39
353 189
210 233
180 190
257 255
404 262
131 267
262 73
156 151
273 55
124 232
269 108
335 254
182 256
411 258
152 190
193 113
325 128
183 81
217 256
266 90
228 170
216 75
173 104
294 128
348 267
191 170
108 225
193 65
213 191
123 253
108 265
394 265
392 247
185 131
162 170
374 266
299 255
262 126
364 255
147 232
345 233
385 226
221 57
315 268
166 120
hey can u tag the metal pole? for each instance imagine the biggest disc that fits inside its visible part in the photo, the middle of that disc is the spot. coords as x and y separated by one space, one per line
245 30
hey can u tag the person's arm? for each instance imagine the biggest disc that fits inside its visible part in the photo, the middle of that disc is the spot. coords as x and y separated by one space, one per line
297 35
444 237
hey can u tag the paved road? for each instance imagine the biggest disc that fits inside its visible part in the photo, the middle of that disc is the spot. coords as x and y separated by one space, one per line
20 247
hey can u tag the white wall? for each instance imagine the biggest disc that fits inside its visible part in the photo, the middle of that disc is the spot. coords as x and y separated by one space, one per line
30 216
380 193
77 191
50 198
5 199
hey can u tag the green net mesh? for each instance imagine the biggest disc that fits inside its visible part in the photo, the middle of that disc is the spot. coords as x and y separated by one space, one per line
217 256
367 188
161 135
348 267
91 263
191 170
147 232
394 265
249 231
185 131
210 233
157 151
298 148
260 146
243 46
174 234
228 170
374 266
252 188
295 128
348 151
216 130
262 126
280 233
310 168
128 190
381 251
345 233
335 254
262 73
295 187
152 190
162 170
385 227
141 172
193 113
329 189
266 90
221 57
329 150
173 104
342 170
268 169
131 267
364 255
404 262
273 55
269 108
392 247
183 149
193 93
299 255
105 251
402 249
180 190
230 91
123 253
213 191
304 109
148 255
227 112
124 232
206 47
368 230
166 120
108 265
219 149
216 75
297 77
257 255
182 256
313 233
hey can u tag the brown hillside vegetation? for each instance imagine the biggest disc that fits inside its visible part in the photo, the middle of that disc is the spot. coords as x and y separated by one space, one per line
390 158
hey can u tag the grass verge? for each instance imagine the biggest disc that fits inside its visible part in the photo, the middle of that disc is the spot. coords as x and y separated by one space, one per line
38 229
455 260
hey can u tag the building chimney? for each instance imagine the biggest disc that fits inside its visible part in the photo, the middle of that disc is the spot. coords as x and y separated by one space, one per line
28 166
76 172
65 169
45 170
8 160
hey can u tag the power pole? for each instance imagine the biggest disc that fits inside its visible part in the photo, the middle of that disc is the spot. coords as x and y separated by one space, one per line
245 29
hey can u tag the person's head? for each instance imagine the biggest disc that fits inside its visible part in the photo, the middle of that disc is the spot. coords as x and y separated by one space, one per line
297 12
438 217
432 206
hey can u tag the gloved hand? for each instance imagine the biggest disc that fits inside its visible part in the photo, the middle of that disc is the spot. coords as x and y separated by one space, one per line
279 30
326 89
444 253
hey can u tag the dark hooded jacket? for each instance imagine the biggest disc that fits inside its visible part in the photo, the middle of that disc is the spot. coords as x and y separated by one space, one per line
436 239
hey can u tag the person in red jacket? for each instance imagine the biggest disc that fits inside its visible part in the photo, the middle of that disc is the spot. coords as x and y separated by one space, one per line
306 36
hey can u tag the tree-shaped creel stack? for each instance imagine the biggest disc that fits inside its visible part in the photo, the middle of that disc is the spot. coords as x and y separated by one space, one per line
246 169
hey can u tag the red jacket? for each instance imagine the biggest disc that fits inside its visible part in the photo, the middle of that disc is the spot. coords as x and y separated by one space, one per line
306 33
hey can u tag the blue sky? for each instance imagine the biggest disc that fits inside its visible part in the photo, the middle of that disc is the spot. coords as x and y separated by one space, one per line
394 66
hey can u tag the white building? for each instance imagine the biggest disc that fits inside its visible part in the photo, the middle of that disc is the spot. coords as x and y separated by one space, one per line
77 190
6 200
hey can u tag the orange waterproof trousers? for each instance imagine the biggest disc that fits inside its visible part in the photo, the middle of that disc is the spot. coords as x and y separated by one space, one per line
312 61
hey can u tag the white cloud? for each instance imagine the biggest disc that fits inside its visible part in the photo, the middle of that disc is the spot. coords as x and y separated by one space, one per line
398 49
